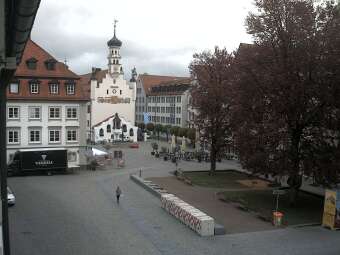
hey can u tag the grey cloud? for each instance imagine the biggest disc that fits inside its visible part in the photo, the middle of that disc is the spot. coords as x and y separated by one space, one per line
84 49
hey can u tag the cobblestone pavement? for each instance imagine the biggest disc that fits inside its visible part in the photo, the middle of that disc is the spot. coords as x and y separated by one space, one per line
77 214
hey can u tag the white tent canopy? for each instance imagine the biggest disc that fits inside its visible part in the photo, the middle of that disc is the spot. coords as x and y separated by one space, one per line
97 152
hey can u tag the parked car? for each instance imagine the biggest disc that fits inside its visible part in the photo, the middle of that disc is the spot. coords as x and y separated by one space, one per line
10 197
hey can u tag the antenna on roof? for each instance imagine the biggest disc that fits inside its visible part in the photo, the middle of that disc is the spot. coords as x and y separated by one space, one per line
65 62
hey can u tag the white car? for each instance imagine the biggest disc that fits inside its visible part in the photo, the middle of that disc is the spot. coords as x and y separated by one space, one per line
10 197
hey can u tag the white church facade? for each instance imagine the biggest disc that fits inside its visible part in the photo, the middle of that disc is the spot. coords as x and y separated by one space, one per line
115 128
109 91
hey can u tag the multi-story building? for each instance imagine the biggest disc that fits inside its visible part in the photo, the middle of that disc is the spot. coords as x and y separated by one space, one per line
167 103
145 82
110 92
46 106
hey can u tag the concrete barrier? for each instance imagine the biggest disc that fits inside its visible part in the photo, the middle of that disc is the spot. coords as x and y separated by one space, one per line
189 215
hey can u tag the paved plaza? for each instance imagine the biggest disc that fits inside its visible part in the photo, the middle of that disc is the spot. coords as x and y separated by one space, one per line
77 214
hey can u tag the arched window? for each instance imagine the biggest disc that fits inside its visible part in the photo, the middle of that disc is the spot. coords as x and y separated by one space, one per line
131 131
124 128
108 128
101 132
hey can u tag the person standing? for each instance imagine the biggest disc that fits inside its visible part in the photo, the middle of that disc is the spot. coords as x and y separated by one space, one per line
118 193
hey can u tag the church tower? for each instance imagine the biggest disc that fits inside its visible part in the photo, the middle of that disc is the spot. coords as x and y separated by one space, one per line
114 59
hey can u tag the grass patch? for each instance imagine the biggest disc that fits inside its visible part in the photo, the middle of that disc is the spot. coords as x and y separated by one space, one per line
221 179
309 208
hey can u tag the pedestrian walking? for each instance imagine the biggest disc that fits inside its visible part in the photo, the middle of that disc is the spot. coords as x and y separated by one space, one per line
118 193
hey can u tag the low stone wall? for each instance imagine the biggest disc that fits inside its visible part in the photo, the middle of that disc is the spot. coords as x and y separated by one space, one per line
189 215
149 186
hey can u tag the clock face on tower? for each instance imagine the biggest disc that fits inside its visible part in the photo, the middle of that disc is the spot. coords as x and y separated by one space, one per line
114 91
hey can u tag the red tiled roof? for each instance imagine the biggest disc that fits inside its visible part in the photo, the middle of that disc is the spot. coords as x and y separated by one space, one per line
61 75
34 50
148 81
174 87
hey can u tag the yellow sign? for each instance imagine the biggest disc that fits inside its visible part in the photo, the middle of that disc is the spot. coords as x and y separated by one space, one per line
330 202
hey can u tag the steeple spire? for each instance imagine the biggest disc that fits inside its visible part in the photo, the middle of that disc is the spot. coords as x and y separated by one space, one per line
115 24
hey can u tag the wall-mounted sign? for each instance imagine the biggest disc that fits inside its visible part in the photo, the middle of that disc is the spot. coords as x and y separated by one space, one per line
113 100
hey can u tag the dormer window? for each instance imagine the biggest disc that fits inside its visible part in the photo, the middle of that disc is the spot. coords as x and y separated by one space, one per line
31 63
70 88
50 64
54 87
34 86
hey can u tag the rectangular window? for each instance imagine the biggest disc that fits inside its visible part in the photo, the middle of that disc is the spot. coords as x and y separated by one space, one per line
88 123
54 113
34 88
70 89
34 112
179 99
13 113
178 110
71 135
35 136
14 88
54 135
13 136
54 88
71 113
89 109
139 90
163 99
178 121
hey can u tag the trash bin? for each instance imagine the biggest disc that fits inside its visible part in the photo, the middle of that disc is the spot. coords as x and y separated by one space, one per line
277 219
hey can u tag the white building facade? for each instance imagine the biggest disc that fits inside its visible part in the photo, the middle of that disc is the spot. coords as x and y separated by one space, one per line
47 125
167 103
115 128
110 92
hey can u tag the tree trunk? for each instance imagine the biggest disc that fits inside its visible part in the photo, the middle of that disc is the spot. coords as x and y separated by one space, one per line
295 179
212 161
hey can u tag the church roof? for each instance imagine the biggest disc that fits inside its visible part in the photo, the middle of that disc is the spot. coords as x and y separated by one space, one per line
148 81
114 42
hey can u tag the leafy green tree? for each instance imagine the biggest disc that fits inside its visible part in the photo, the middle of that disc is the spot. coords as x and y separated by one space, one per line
158 129
150 127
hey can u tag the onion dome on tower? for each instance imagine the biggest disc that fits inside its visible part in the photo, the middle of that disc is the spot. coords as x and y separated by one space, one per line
114 42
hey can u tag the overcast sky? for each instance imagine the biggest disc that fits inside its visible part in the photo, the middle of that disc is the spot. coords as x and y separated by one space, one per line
159 36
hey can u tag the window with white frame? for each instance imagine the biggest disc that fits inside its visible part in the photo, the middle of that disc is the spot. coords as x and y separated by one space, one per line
54 135
14 88
71 112
70 88
71 135
178 121
13 136
13 113
34 136
34 88
34 112
54 88
54 113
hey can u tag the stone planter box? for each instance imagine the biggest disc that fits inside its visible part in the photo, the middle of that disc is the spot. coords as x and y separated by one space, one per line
189 215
